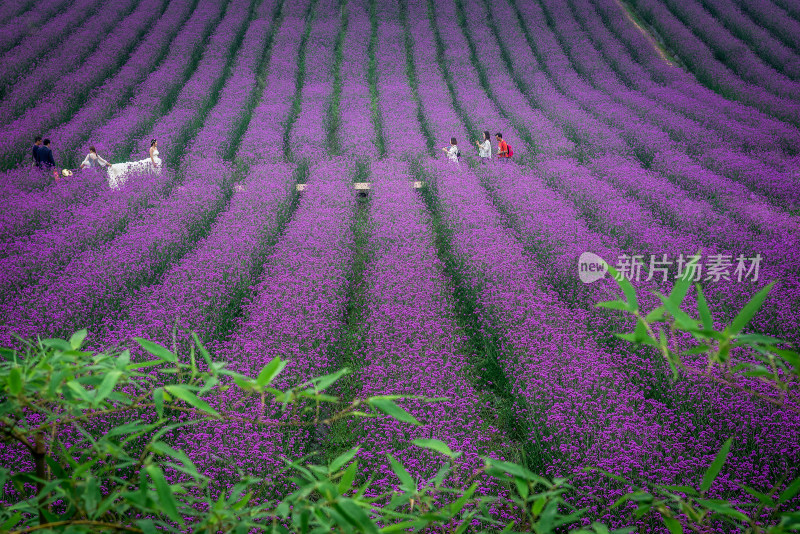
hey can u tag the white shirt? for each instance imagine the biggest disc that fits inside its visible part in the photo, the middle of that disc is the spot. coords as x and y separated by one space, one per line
93 160
485 149
452 153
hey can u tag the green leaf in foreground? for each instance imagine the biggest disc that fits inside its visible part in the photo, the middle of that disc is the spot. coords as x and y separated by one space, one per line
270 371
191 399
343 459
672 524
15 381
405 479
749 310
436 445
391 409
716 466
166 500
156 350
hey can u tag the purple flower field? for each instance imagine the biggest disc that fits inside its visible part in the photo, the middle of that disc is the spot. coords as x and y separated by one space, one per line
644 131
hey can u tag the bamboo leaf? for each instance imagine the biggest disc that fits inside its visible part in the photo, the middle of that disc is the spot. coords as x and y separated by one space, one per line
750 309
166 499
158 400
702 309
459 504
76 341
156 350
191 399
672 524
106 386
15 381
790 491
612 305
436 445
388 407
270 371
346 482
343 459
716 466
406 482
203 351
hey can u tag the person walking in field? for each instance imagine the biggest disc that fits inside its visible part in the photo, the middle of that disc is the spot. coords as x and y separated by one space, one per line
92 160
117 171
503 149
37 144
485 147
46 156
452 151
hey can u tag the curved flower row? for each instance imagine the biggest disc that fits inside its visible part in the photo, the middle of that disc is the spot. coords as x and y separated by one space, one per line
483 44
309 134
263 140
468 91
768 48
195 293
200 92
435 100
89 288
357 133
23 179
732 52
224 121
401 128
580 408
21 18
643 69
590 134
232 99
412 345
754 124
106 99
619 215
775 19
17 61
82 61
711 149
550 223
665 157
28 211
678 208
162 85
547 136
295 312
700 59
41 255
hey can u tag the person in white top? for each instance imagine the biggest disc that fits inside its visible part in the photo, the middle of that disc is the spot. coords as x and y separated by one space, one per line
452 150
118 171
93 160
485 148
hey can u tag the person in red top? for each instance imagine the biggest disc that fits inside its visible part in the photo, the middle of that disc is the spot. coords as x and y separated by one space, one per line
502 147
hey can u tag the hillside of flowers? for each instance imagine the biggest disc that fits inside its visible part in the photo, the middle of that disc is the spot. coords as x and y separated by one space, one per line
662 136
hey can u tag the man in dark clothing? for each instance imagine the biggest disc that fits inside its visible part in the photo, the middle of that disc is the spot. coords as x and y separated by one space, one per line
46 155
37 144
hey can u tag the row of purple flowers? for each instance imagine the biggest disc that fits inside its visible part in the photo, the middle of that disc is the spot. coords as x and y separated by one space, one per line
57 87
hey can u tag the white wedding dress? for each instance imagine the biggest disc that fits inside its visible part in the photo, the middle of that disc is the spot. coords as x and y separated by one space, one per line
117 173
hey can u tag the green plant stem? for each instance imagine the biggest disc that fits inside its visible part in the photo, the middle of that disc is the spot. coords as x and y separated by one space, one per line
39 452
100 524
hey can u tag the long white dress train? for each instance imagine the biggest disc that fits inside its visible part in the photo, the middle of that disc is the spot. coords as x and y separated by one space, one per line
117 173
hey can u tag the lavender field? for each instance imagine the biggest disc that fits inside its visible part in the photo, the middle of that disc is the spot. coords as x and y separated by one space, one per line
644 131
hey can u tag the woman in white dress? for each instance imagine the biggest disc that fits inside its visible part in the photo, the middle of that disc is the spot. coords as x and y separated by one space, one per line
452 150
117 171
485 148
